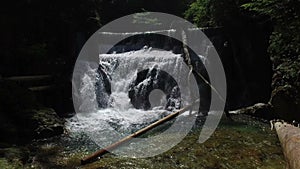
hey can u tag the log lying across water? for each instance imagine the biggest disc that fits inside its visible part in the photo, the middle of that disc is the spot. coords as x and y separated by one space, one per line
289 137
113 146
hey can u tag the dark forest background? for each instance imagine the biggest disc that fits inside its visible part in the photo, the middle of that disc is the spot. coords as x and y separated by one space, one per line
46 31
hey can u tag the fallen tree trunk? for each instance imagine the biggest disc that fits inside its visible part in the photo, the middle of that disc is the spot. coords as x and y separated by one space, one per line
289 137
113 146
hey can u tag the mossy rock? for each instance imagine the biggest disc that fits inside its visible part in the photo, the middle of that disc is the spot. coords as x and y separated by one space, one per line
48 123
285 97
40 123
259 110
286 103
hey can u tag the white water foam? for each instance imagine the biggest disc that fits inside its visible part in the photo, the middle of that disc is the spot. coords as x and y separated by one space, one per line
122 69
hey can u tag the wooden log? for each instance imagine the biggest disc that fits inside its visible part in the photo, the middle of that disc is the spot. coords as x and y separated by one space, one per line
289 137
113 146
29 78
41 88
32 82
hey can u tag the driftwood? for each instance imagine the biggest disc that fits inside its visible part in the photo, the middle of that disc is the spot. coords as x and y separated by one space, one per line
113 146
289 137
34 83
29 78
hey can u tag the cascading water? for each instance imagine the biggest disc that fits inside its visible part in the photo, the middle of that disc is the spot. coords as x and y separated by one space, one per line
121 70
131 87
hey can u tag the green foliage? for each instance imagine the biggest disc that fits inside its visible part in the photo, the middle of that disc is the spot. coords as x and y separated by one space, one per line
224 12
210 13
284 41
10 164
199 13
285 14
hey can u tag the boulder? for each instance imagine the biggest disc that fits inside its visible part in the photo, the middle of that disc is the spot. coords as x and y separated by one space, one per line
42 123
139 91
286 103
259 110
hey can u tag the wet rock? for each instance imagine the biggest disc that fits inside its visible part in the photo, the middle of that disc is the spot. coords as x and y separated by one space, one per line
259 110
139 91
45 123
103 86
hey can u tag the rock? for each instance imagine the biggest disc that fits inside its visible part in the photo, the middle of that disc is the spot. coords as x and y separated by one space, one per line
103 88
157 79
285 97
286 103
45 123
259 110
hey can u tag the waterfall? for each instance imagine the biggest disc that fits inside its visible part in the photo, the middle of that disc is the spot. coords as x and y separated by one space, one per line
122 70
138 81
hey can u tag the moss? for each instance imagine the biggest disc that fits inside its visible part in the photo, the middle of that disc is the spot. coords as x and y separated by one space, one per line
286 102
4 164
47 122
14 158
286 88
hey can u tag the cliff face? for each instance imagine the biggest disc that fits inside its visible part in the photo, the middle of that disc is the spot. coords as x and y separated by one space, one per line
261 78
246 62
